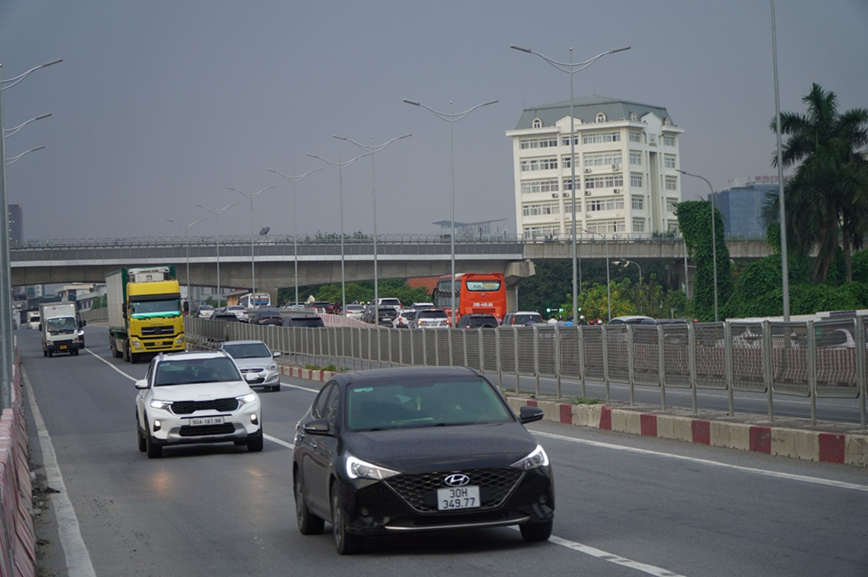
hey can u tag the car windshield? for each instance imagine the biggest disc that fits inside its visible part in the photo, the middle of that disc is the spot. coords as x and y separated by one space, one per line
193 371
530 318
156 308
423 403
247 351
61 325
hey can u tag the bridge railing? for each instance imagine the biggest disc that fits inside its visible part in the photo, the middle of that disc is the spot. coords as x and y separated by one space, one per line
813 359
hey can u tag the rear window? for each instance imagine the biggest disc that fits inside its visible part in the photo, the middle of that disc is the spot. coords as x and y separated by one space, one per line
304 322
390 303
522 319
476 322
431 314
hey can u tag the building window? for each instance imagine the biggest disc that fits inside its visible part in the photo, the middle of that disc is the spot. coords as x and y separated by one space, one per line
638 225
568 184
605 204
600 137
603 159
638 203
601 117
537 123
565 140
635 136
544 142
671 183
671 205
568 205
604 181
669 161
534 186
636 180
668 140
567 161
547 231
535 164
540 209
672 226
607 227
635 158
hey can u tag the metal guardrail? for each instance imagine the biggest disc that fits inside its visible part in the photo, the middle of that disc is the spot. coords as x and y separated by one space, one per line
813 359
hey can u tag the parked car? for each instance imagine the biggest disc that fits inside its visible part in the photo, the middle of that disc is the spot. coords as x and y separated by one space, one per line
310 321
267 316
197 397
239 311
354 311
477 321
418 449
204 311
255 358
521 318
430 319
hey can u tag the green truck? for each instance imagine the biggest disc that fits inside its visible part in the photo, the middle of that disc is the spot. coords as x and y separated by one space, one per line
144 311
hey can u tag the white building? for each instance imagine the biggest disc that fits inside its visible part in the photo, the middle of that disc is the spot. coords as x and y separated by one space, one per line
626 166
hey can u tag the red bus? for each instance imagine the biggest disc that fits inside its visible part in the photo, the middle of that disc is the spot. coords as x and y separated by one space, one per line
477 293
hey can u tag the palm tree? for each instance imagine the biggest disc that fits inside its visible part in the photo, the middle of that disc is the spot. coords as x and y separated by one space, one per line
828 197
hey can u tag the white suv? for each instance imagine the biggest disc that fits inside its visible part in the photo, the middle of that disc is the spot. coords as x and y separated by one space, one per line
191 398
254 357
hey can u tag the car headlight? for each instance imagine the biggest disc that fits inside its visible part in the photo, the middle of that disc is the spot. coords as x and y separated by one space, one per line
272 367
358 469
245 399
157 404
136 344
537 458
179 340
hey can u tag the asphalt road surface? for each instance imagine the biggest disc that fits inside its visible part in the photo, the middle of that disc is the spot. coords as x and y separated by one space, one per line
626 505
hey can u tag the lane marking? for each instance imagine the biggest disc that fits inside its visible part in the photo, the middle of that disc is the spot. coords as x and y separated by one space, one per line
279 441
114 368
751 470
77 556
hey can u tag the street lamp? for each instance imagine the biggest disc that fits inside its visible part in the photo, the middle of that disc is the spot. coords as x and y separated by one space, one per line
625 261
713 236
251 196
608 282
341 166
372 149
294 179
187 238
451 119
10 131
15 158
6 341
785 273
217 212
571 68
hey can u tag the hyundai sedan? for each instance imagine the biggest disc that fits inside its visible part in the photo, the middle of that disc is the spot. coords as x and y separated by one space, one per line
418 449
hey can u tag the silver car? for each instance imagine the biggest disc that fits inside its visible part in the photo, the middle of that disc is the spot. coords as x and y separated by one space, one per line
255 358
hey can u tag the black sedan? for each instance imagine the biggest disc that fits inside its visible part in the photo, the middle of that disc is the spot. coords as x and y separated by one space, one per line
418 449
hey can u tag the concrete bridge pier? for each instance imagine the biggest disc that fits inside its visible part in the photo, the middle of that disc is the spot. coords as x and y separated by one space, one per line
513 274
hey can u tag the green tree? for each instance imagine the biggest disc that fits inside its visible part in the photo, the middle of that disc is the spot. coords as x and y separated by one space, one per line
694 220
827 199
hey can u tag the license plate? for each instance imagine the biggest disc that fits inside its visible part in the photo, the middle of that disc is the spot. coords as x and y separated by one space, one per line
199 421
458 498
62 347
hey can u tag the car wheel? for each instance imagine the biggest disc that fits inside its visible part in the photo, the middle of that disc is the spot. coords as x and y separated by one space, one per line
140 437
75 352
50 354
308 523
275 389
134 358
535 532
346 543
44 352
254 445
154 450
126 354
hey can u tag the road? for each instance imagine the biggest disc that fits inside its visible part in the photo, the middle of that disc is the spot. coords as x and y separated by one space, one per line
626 505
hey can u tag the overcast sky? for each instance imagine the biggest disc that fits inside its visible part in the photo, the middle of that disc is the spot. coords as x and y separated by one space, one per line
161 105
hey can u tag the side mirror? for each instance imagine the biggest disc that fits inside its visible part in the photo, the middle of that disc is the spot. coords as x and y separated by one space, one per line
276 354
82 324
142 384
40 326
529 414
317 427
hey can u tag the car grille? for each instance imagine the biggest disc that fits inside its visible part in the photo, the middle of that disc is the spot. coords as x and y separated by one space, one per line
189 407
207 430
419 490
150 331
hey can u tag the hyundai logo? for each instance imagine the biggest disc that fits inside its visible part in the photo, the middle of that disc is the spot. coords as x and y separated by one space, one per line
457 480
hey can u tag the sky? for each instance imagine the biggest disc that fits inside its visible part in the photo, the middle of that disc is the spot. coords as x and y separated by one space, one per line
162 105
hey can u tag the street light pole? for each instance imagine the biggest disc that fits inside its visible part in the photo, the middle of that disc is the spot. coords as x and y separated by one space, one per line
187 238
451 119
341 166
570 69
11 131
217 212
294 179
251 196
608 281
372 149
713 235
785 272
6 338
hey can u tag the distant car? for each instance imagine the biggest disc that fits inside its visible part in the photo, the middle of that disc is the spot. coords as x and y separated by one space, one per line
197 397
224 316
422 306
239 311
837 339
323 307
291 305
630 320
255 358
354 311
204 311
310 321
477 321
430 319
521 318
267 316
403 320
390 302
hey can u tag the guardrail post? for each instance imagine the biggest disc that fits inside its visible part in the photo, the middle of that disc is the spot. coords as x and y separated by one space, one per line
498 359
481 340
463 346
812 370
557 353
424 347
691 362
727 361
582 359
449 344
515 359
436 348
768 367
536 360
630 367
660 364
861 364
605 342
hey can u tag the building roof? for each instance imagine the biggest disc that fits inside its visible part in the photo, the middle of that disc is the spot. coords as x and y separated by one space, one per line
586 109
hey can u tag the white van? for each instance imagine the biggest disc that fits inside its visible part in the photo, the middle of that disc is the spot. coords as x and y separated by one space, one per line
33 319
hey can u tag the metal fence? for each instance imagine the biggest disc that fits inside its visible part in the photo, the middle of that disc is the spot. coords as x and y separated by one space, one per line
813 359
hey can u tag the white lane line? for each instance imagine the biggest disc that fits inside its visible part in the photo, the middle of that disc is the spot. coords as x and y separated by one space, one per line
764 473
114 368
300 388
78 563
279 441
